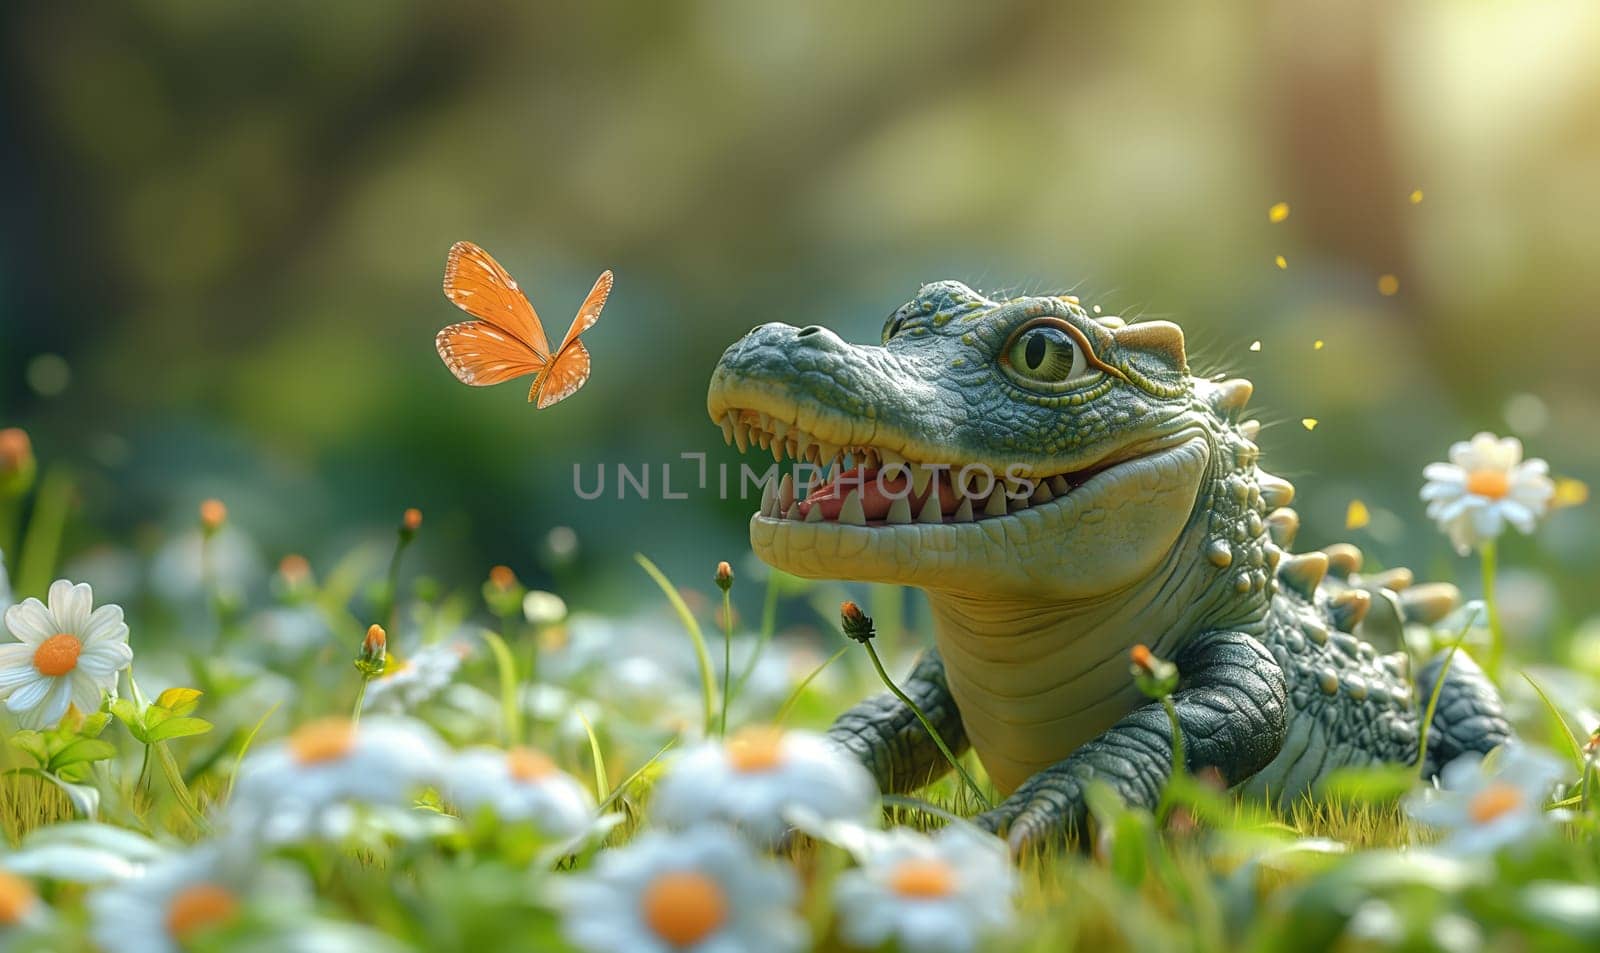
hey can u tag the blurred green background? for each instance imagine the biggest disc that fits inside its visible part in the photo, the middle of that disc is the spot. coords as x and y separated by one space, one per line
225 228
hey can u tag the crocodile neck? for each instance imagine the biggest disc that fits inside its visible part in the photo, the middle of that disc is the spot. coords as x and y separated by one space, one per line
1036 679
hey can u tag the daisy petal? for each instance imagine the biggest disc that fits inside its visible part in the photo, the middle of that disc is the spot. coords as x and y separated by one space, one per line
86 694
105 659
71 604
54 707
105 624
29 621
30 694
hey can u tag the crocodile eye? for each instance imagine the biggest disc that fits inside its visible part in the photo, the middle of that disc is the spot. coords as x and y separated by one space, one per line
1045 356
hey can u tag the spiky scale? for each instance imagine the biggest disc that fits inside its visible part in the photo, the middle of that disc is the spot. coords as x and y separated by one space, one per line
1349 607
1303 572
1251 429
1429 602
1395 579
1275 490
1343 559
1283 524
1231 396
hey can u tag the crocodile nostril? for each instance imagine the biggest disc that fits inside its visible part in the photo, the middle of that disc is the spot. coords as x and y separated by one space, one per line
809 330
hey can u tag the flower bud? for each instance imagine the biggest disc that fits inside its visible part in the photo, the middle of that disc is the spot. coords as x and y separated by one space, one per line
857 624
374 652
724 576
213 514
410 522
17 463
1155 676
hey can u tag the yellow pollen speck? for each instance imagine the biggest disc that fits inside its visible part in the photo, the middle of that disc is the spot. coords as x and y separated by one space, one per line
684 907
1310 423
527 765
1357 515
57 655
1493 802
1255 345
1278 212
923 878
1317 344
16 898
1416 197
755 749
1570 492
200 907
1489 484
1281 261
1388 285
321 741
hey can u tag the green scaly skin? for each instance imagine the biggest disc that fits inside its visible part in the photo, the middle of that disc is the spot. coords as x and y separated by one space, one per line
1135 513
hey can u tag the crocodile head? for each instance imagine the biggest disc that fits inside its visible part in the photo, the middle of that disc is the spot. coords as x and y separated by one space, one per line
1021 447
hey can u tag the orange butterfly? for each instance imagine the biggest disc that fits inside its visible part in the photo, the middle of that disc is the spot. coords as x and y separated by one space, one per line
507 341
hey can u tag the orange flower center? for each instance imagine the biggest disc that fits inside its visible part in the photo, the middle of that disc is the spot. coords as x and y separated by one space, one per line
923 878
1493 484
684 907
756 749
1494 802
57 655
16 898
527 765
198 908
322 741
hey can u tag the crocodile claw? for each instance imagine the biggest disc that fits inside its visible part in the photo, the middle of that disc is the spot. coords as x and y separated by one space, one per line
1047 813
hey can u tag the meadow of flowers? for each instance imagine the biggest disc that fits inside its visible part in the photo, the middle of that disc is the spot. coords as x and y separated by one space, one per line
365 762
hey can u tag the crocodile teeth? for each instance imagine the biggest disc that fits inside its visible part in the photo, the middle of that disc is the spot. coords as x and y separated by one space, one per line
921 476
996 505
963 513
931 512
900 510
852 513
793 512
814 515
1041 493
769 500
1059 485
786 491
727 429
741 437
891 457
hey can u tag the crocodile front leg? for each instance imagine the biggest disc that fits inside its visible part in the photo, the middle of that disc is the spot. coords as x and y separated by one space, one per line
1232 706
886 736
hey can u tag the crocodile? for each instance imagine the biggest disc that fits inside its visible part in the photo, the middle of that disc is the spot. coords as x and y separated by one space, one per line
1062 488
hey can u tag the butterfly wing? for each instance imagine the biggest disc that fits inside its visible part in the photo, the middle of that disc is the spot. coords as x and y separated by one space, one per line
589 313
563 377
475 283
480 354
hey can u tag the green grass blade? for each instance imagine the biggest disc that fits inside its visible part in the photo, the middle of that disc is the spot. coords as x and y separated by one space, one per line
794 696
248 741
637 773
601 783
708 682
41 545
1555 714
510 705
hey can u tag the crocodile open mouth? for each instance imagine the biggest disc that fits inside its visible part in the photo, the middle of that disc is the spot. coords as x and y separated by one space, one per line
869 485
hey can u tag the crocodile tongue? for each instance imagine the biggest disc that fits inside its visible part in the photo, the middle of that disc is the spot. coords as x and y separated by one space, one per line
877 495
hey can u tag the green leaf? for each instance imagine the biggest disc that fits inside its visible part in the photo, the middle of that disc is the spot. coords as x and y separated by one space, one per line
94 724
33 744
179 701
127 712
81 751
179 728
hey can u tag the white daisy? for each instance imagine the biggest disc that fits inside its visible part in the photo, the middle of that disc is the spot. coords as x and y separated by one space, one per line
68 653
521 785
947 893
408 682
705 891
189 895
758 777
1485 485
1485 806
299 787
